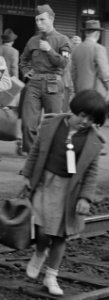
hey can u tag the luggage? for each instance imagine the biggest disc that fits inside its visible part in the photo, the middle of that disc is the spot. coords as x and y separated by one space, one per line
15 221
8 124
8 96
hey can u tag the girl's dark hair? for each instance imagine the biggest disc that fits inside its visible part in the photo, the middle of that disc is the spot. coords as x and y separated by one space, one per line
92 104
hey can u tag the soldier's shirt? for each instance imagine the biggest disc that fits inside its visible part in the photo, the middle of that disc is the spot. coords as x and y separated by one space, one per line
52 61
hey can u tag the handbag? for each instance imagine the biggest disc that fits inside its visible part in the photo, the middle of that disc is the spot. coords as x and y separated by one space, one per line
8 124
15 221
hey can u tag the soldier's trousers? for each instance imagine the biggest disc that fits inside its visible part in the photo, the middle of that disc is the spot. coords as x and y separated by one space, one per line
39 94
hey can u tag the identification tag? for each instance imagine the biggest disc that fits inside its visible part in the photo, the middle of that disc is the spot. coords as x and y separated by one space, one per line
71 161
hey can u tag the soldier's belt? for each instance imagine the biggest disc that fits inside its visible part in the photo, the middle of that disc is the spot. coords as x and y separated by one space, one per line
47 76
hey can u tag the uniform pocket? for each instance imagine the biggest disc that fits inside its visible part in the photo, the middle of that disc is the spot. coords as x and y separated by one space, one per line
52 86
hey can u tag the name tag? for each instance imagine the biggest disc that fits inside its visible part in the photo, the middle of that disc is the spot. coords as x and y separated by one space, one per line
71 160
65 54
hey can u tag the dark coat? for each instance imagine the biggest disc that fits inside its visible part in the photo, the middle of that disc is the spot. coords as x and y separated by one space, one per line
81 185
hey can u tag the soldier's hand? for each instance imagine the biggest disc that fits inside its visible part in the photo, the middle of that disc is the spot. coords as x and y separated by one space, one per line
83 207
44 45
29 74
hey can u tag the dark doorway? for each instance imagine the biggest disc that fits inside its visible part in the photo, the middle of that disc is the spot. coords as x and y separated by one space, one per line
23 26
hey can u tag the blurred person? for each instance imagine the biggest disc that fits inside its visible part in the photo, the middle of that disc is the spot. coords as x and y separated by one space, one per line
90 65
67 78
61 171
5 80
48 53
75 41
68 86
11 56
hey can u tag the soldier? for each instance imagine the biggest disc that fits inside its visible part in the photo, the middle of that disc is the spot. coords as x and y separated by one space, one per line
48 53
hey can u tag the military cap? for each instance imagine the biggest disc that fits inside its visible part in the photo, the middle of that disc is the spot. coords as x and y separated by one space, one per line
40 9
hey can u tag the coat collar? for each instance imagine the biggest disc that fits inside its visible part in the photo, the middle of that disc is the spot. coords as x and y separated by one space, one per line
48 130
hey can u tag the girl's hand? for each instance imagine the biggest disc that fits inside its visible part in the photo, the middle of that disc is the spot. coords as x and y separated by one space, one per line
83 207
27 183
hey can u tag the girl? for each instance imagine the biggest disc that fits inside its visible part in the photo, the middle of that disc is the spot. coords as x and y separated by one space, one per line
61 170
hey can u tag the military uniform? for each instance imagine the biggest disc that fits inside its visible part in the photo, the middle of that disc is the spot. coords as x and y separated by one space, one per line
45 88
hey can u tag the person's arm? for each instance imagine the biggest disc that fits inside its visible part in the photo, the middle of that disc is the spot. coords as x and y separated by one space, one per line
58 59
102 63
5 81
25 60
15 64
88 188
89 182
73 70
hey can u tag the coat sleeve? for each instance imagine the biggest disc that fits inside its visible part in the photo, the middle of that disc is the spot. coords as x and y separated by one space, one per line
102 63
15 64
89 182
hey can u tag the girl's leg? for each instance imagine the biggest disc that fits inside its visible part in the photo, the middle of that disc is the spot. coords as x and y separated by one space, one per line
36 262
42 240
56 252
55 258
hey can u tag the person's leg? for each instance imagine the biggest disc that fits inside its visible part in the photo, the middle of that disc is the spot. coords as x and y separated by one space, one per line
19 138
31 113
55 258
56 252
19 149
36 262
42 239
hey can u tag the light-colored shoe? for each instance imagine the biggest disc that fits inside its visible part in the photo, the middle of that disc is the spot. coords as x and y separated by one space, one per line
50 282
35 264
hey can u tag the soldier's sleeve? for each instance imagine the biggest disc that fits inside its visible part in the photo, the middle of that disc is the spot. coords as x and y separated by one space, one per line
25 60
60 59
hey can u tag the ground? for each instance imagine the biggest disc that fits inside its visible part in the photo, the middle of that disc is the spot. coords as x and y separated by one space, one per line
10 185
